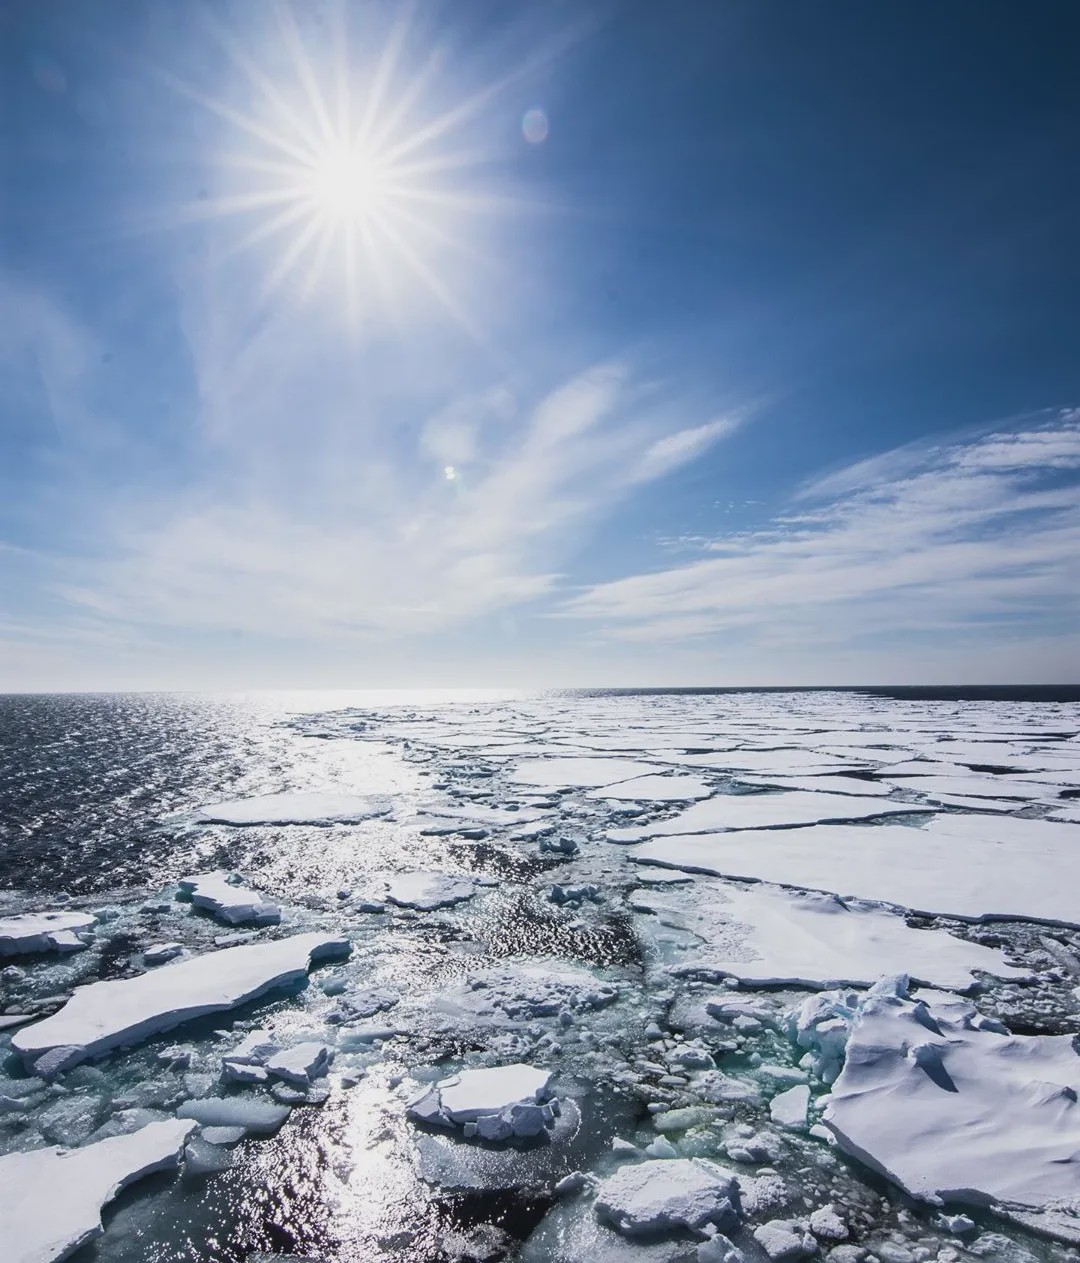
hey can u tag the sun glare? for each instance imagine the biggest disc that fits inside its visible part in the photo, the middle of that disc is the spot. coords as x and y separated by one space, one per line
340 167
349 185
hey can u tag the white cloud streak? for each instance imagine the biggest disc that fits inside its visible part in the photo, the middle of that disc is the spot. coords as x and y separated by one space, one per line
976 538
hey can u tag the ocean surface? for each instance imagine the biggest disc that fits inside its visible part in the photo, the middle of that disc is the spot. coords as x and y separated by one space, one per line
99 810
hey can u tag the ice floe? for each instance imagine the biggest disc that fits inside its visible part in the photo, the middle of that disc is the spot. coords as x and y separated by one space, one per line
770 936
659 1196
229 899
114 1014
764 811
294 808
954 1111
580 773
656 789
44 932
51 1199
428 891
966 866
493 1103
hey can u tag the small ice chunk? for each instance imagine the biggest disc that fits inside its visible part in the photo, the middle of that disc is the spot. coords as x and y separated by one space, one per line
52 1198
203 1158
44 932
827 1225
783 1240
663 1196
302 1064
789 1108
259 1117
494 1103
228 900
718 1249
159 953
428 891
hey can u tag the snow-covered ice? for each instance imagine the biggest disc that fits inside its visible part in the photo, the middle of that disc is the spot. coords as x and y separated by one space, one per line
659 1196
115 1014
764 811
229 899
955 865
294 808
767 935
51 1199
656 789
492 1103
44 932
958 1113
428 891
580 773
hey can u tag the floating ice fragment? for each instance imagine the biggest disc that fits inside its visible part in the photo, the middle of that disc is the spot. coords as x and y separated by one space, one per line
781 1239
428 891
229 900
118 1013
44 932
788 1109
295 808
259 1117
496 1103
302 1064
52 1198
659 1196
159 953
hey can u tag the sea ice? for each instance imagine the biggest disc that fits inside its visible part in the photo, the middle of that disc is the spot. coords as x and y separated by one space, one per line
427 891
44 932
583 773
114 1014
764 811
771 936
52 1198
965 866
229 900
302 1064
659 789
664 1195
493 1103
955 1112
295 808
258 1117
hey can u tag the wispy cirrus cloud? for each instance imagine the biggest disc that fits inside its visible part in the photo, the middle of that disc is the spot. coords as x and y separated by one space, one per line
464 516
972 536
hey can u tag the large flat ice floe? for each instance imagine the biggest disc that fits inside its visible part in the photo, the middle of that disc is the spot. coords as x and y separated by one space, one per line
116 1014
294 808
43 932
765 935
968 866
654 789
51 1199
765 811
956 1113
578 773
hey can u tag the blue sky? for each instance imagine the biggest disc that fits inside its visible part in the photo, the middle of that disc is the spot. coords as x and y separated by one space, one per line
552 344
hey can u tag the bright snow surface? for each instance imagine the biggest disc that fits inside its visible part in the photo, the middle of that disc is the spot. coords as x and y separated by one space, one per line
956 865
51 1199
115 1014
294 808
958 1113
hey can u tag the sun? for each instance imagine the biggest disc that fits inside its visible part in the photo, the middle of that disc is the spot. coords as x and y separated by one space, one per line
339 175
349 185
